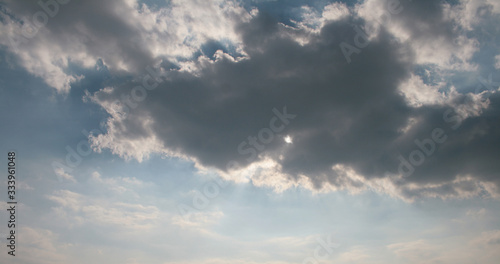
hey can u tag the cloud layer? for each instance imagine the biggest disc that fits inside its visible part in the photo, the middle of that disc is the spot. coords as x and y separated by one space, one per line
383 116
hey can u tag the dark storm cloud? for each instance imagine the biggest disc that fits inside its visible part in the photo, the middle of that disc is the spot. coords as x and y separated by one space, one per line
347 113
350 114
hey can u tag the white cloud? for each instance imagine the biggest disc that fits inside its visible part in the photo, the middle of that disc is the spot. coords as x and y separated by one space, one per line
331 12
416 251
198 220
335 11
64 176
488 239
67 199
357 254
102 212
227 261
481 249
116 140
417 93
39 246
469 13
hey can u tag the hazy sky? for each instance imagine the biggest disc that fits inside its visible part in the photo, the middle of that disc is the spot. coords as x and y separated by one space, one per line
245 132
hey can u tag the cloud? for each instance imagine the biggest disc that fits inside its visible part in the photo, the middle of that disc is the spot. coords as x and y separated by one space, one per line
228 261
61 174
416 251
341 119
127 37
150 226
231 101
260 42
489 239
483 248
356 254
224 77
83 209
315 20
40 246
197 219
430 28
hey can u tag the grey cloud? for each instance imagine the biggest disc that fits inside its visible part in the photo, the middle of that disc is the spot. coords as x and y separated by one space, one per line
347 113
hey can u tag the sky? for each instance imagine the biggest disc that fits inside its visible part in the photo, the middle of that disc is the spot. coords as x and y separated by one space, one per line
251 131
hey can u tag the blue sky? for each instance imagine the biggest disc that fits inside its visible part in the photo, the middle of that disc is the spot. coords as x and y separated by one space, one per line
273 132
